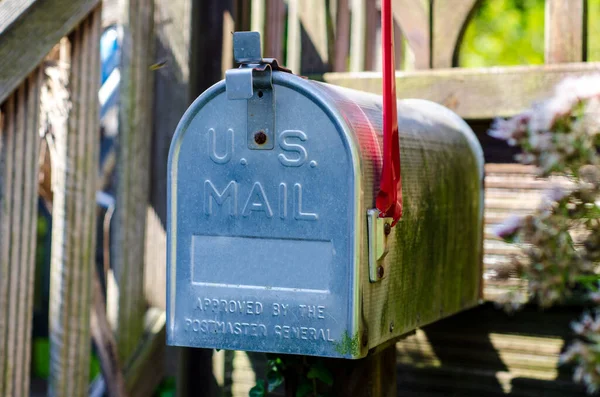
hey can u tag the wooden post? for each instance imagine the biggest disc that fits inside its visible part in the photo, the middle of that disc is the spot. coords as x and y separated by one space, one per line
342 37
274 29
19 146
75 121
189 39
133 166
565 34
357 35
449 19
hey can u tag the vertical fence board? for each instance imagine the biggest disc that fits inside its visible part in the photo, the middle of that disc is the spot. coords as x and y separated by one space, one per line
13 307
6 222
449 21
372 38
357 36
257 19
564 31
75 122
133 165
31 205
342 37
292 60
313 53
19 143
274 28
413 18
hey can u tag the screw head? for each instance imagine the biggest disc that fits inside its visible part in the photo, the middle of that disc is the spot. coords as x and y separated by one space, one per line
387 228
260 137
380 271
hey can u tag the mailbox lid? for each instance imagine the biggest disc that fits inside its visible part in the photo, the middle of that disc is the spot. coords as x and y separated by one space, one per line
264 246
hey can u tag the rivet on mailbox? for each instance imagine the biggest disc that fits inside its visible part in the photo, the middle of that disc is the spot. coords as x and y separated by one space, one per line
274 242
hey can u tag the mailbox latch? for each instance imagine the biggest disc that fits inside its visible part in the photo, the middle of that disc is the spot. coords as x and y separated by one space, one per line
253 82
378 234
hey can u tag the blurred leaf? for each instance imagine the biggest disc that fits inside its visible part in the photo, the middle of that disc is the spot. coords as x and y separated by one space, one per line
274 380
319 372
258 390
304 389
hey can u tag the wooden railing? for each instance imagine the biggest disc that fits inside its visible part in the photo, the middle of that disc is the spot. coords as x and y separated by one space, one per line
58 98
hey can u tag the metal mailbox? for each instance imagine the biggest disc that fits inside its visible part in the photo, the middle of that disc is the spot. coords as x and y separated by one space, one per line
274 244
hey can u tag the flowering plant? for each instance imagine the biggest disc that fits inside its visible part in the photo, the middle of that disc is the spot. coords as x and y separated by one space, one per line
561 240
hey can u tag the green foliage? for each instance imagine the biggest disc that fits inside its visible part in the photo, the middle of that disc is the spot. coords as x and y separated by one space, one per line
593 43
258 390
41 360
511 32
309 374
504 32
319 372
274 373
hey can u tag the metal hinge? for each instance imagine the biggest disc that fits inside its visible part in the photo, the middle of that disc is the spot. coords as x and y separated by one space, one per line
378 231
253 82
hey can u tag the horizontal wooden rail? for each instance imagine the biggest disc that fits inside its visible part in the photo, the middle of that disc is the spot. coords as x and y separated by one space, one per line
32 34
12 10
482 93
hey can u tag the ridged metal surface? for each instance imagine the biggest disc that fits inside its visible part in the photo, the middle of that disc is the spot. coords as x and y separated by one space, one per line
436 248
19 146
75 125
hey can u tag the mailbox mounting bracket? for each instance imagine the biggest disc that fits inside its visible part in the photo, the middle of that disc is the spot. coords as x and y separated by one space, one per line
378 232
253 81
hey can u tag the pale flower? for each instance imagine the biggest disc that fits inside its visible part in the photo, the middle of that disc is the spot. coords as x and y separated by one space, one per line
509 227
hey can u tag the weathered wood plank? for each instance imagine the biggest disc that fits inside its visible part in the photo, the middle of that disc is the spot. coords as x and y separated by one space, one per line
105 343
133 165
257 19
294 41
19 145
242 15
372 35
110 12
31 182
11 10
314 15
358 27
473 93
15 254
413 18
146 369
274 29
487 352
184 37
564 31
450 18
74 115
26 42
342 36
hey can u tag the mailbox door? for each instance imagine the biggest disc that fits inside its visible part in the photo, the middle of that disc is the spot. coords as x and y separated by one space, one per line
263 244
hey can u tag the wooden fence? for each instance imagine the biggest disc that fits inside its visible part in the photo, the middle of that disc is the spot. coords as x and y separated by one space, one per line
49 82
336 40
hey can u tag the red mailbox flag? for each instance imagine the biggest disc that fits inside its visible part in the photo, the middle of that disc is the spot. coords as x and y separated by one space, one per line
389 198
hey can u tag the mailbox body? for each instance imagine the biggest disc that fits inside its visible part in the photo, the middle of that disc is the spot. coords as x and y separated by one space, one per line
268 250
